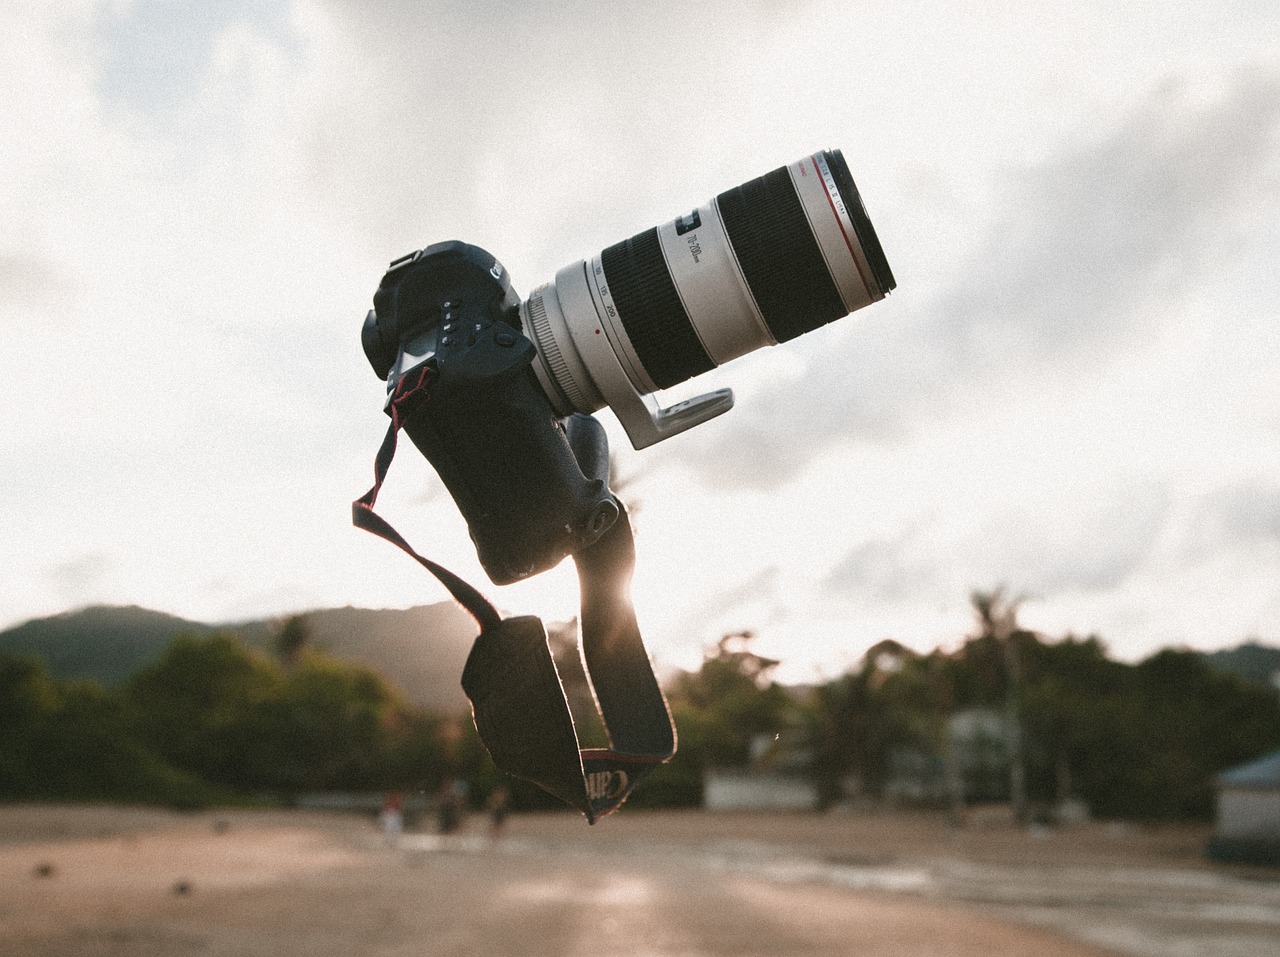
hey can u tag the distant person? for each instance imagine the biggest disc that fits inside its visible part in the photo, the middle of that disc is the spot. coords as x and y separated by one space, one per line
392 816
453 797
497 805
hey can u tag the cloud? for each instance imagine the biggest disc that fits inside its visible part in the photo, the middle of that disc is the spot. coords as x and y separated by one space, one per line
82 578
1087 539
1081 257
154 54
543 131
756 602
1094 541
1088 242
882 571
30 282
1237 515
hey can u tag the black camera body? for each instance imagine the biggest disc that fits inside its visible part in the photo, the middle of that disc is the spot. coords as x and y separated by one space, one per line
531 484
506 419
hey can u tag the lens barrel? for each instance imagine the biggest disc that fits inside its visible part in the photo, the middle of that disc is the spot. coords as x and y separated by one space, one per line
760 264
652 314
779 257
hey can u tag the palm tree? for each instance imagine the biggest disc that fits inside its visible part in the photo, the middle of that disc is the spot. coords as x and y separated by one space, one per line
292 640
998 620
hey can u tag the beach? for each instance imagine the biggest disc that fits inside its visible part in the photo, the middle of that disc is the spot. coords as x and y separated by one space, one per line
129 881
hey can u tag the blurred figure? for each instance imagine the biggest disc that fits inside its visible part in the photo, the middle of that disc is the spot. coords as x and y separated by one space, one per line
392 816
497 805
453 797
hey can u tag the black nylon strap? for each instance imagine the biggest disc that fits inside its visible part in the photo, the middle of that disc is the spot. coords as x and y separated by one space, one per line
631 702
518 702
412 390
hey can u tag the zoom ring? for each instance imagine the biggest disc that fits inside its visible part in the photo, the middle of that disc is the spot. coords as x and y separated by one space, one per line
779 256
651 311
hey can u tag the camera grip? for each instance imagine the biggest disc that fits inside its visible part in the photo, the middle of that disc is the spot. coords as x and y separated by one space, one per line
492 436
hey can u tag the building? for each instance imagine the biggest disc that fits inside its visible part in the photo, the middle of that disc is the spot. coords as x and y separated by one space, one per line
1248 827
775 779
737 790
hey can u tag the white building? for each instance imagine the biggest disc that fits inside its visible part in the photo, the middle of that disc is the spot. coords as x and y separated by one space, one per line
774 780
733 790
1249 812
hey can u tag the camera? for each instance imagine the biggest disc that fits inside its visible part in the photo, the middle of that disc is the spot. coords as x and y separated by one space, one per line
509 386
498 395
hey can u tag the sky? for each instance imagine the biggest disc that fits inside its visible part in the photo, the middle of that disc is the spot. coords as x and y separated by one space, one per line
1072 394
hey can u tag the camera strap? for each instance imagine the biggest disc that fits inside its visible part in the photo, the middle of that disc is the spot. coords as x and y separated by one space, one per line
517 699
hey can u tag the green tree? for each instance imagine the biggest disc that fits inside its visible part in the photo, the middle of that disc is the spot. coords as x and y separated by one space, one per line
1132 741
718 711
292 639
339 726
1138 741
893 708
198 706
29 699
71 741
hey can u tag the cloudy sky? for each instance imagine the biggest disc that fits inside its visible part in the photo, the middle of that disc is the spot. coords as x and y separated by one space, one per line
1073 393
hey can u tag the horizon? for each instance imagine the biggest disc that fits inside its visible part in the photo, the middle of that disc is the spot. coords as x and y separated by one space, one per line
782 674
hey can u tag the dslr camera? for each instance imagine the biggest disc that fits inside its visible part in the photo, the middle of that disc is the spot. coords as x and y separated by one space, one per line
498 394
507 425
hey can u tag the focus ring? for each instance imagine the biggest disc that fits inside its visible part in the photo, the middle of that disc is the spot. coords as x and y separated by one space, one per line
550 352
651 312
779 256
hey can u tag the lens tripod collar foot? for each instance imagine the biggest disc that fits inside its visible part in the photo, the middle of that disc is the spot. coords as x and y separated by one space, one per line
595 346
658 423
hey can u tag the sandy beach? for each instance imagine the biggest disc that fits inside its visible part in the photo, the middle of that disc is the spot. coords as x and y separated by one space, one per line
126 881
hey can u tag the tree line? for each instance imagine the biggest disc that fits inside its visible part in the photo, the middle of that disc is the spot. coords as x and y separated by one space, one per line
1063 721
213 721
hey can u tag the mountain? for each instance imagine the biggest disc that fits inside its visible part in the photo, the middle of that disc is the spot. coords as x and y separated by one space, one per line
104 643
421 650
1252 661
